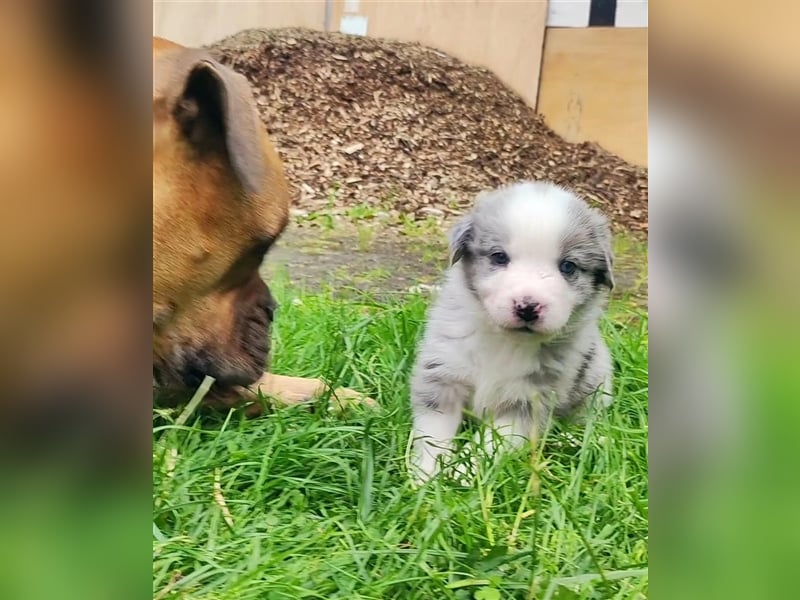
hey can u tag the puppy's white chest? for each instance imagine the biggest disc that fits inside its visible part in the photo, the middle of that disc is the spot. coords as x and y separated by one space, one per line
501 370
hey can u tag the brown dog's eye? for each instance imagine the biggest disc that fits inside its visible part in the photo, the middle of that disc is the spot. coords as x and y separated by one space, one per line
261 246
247 264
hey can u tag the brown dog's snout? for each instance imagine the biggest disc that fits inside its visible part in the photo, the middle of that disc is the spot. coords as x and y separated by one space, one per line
189 366
255 316
225 371
234 351
244 358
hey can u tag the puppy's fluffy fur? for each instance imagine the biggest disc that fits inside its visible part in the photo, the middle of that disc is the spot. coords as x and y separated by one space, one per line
514 332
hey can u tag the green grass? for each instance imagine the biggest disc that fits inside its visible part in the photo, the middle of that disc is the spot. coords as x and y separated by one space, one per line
304 503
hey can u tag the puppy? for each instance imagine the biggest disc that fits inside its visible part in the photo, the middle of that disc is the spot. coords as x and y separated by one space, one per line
220 200
514 334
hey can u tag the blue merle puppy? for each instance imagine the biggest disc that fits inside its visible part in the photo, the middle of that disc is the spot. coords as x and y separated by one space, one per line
513 335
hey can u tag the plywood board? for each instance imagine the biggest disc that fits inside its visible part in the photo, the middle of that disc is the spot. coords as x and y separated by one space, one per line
200 22
505 37
594 88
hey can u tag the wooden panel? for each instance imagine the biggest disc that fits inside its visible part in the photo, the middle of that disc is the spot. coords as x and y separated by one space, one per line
594 87
200 22
503 36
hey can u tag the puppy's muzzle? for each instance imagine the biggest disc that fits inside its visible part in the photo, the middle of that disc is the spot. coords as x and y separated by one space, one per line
527 310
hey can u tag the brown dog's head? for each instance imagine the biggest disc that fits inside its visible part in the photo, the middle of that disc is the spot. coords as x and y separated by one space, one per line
220 200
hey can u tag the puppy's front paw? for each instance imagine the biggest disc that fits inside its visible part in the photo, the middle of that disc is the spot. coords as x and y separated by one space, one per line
424 466
464 472
423 469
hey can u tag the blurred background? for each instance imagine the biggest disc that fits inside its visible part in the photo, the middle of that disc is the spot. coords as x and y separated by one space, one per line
74 299
723 295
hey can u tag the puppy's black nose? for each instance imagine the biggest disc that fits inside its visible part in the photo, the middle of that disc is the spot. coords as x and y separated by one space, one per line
527 311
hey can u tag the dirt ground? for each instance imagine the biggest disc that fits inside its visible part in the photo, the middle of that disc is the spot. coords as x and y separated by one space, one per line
384 261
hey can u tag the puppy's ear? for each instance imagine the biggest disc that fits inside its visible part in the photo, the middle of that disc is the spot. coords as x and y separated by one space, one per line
216 113
608 274
460 237
605 276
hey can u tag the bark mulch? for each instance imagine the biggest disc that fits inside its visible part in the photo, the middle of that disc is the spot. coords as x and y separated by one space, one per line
364 120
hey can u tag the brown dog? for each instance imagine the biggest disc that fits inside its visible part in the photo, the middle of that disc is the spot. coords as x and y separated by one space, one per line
220 199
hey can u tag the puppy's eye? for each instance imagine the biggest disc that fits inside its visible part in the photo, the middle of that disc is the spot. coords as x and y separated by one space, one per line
567 267
499 259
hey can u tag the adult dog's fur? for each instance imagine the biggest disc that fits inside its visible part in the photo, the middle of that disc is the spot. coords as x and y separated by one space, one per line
220 200
514 332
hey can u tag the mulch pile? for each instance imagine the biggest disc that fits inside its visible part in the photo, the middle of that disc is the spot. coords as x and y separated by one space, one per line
358 119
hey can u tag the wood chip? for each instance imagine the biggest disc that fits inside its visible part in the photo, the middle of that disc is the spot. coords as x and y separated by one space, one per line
438 131
353 148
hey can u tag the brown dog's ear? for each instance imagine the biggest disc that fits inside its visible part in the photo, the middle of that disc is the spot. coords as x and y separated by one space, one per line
216 113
